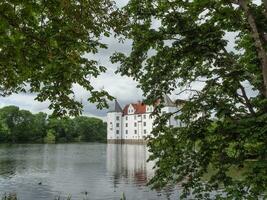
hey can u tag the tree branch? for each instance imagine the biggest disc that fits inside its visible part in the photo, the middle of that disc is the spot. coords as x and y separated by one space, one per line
257 41
247 101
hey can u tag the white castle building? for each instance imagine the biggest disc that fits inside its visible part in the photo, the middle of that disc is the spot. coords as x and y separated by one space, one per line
134 122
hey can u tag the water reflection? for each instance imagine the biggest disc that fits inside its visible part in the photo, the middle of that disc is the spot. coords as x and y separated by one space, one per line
129 162
84 171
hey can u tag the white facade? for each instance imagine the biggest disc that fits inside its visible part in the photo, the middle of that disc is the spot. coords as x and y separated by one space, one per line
135 122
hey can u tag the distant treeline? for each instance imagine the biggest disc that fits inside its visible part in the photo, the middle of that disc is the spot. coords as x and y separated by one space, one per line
21 126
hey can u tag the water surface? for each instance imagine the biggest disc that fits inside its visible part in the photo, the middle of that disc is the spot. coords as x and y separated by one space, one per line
84 171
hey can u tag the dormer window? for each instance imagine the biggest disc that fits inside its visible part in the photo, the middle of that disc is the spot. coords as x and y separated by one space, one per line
130 109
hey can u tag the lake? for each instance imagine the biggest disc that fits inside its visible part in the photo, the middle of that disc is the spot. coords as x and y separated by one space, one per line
82 171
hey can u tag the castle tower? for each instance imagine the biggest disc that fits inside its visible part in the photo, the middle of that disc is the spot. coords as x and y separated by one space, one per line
171 107
114 122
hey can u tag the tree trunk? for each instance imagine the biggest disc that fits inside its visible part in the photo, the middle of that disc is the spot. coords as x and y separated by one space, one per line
257 41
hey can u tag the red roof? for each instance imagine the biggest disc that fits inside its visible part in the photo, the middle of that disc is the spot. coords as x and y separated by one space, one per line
140 108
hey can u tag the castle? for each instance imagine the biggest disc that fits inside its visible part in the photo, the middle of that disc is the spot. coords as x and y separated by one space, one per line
134 122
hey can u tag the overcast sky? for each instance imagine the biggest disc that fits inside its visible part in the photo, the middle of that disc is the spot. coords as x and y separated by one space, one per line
123 88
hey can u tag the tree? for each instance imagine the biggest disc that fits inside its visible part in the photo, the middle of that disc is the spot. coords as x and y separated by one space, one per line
60 128
18 125
24 127
10 118
43 46
90 129
4 131
50 137
178 44
39 126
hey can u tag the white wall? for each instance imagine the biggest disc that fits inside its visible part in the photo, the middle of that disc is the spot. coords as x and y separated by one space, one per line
129 131
135 126
138 126
113 119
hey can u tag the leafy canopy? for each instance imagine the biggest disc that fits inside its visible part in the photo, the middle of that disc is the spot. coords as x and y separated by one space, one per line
44 49
179 44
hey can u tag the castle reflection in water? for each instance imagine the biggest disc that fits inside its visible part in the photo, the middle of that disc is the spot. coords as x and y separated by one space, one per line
129 162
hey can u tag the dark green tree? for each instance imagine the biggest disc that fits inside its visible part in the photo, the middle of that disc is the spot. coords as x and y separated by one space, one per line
39 126
178 44
63 128
24 127
45 48
90 129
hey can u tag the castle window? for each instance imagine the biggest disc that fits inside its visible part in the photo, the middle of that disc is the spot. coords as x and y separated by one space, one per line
118 118
144 123
144 116
135 124
144 131
126 124
126 118
126 131
135 131
117 132
118 125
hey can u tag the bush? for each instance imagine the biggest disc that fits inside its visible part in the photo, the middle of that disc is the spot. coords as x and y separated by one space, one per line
50 137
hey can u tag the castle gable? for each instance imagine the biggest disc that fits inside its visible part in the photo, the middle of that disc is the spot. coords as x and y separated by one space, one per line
136 108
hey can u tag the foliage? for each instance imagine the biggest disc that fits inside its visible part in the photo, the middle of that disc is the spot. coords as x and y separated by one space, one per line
90 129
50 137
45 48
181 44
17 126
